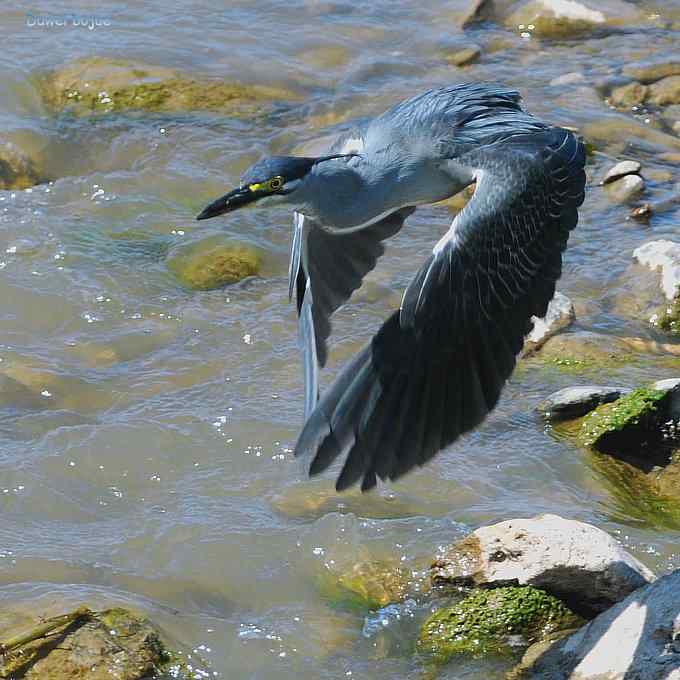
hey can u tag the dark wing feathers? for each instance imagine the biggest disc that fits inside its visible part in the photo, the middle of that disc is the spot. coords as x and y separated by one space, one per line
437 367
326 268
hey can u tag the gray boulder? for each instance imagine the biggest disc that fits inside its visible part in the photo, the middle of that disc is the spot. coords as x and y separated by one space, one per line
637 639
577 562
574 402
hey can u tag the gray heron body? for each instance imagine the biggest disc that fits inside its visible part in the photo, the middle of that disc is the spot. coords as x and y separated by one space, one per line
437 366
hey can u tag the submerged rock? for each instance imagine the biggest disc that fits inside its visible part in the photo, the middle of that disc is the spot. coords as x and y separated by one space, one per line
583 351
101 85
366 585
620 170
628 96
633 422
637 638
650 73
464 56
574 402
665 91
577 562
212 263
17 171
494 621
560 315
87 645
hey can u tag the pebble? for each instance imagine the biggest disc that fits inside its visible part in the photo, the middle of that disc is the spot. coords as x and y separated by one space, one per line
625 188
620 170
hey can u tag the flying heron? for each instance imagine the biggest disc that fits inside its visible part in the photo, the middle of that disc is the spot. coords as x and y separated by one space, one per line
437 366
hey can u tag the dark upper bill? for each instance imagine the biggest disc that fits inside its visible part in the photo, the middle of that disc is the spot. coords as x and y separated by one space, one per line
231 201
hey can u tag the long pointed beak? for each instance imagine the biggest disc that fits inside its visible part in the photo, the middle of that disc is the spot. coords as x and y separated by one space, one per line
232 201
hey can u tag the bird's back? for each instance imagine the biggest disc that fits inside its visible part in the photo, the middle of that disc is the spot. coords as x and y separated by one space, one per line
459 116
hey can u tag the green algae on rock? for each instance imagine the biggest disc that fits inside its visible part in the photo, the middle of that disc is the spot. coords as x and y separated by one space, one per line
90 646
635 413
212 263
489 621
99 85
366 585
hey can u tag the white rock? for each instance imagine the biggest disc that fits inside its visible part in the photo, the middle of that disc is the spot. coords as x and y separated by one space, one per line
625 188
638 639
560 314
575 561
664 255
621 169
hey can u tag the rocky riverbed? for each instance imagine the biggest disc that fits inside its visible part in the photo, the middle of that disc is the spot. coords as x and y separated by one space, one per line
150 387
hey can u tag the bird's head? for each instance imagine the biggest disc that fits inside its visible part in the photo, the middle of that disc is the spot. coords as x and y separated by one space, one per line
270 180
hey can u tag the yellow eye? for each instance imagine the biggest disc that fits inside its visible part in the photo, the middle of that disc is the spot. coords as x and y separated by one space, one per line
275 183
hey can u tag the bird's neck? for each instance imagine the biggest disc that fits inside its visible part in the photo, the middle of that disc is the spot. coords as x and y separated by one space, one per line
352 196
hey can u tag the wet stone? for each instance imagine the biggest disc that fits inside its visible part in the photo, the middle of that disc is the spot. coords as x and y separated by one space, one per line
583 351
574 402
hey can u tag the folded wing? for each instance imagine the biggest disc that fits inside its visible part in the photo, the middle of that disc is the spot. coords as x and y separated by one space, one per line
437 366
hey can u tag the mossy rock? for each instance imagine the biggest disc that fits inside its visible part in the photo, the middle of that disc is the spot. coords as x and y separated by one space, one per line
98 85
212 263
625 421
490 621
367 585
668 319
17 171
114 643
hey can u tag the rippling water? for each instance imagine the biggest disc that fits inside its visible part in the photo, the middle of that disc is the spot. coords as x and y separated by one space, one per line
147 430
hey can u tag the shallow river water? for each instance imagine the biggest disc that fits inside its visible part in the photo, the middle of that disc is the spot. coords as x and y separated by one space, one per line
146 429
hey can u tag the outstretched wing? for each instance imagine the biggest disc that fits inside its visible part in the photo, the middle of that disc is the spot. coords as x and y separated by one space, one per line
325 269
437 367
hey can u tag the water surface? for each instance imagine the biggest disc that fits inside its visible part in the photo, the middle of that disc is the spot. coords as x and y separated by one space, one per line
147 430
